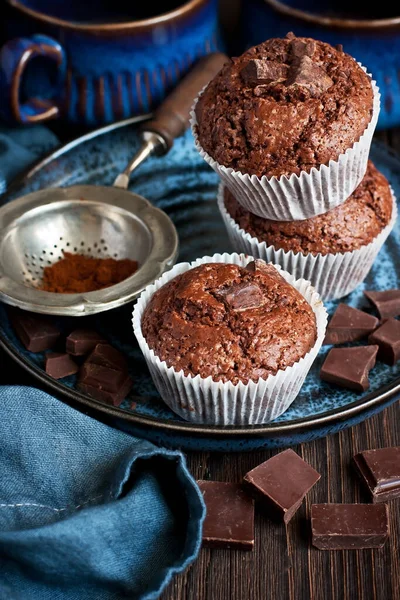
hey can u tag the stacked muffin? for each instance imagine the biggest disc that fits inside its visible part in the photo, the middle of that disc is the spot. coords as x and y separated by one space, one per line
288 127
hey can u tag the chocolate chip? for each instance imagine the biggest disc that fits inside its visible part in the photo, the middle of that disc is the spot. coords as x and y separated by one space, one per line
349 367
309 75
260 265
300 48
339 47
257 71
388 339
243 296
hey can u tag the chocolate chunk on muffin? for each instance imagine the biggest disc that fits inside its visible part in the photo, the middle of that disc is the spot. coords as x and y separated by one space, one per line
347 227
233 323
283 107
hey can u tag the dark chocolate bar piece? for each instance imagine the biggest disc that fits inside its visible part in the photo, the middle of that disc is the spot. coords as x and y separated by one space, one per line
388 339
60 364
349 325
380 470
349 526
37 333
113 398
281 483
229 521
257 71
101 377
349 367
243 296
82 341
386 303
310 75
106 355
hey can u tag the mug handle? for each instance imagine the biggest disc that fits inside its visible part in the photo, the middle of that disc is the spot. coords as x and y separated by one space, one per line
14 58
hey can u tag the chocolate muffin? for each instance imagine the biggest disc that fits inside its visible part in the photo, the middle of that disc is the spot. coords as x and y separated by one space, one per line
283 107
347 227
233 323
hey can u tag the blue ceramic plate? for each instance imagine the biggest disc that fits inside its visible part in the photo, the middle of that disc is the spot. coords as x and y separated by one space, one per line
184 186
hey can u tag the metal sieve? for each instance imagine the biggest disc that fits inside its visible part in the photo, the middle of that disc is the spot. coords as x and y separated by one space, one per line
97 221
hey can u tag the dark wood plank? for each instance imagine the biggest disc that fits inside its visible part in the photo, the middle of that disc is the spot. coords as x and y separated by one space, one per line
283 564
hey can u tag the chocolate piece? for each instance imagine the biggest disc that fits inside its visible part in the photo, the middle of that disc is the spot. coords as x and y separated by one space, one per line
308 74
339 47
107 356
349 526
103 383
229 521
82 341
257 71
281 483
386 303
37 333
113 398
60 364
243 296
101 377
349 367
380 470
300 48
349 325
388 339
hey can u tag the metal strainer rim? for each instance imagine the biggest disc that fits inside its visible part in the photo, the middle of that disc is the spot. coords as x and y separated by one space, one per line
162 256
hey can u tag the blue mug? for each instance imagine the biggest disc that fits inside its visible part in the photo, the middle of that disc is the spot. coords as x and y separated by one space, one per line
95 63
375 42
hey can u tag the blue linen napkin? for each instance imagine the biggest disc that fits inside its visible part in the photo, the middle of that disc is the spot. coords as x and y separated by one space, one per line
87 511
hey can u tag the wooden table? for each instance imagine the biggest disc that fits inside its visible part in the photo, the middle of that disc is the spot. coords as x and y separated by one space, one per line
284 565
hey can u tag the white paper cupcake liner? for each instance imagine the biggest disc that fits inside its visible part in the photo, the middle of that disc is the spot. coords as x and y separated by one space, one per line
299 196
202 400
333 275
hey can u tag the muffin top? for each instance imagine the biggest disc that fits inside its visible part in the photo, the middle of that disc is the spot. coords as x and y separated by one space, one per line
354 223
284 107
233 323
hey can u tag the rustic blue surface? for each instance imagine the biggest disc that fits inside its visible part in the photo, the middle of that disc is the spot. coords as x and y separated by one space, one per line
183 185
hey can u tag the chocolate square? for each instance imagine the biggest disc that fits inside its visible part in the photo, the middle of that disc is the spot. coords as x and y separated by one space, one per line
387 337
349 526
387 303
229 521
59 365
380 471
349 367
82 341
349 324
36 332
281 483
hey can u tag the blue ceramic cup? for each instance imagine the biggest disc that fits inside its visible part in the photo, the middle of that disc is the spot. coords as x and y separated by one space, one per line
368 31
95 63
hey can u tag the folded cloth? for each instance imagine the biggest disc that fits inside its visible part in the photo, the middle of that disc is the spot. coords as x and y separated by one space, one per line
20 147
87 511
